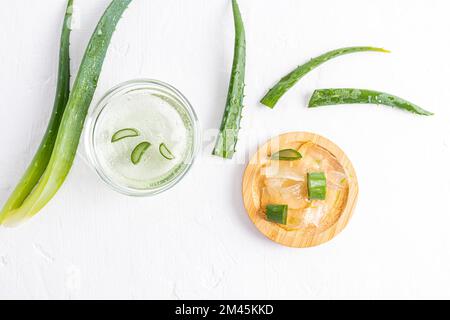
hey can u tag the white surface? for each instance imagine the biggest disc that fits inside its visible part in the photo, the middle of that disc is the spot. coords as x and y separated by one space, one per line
196 241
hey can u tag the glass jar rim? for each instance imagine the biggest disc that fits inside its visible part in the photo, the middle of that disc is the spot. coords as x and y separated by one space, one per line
125 88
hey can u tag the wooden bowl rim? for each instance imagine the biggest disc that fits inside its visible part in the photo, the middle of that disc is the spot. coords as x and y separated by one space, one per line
274 232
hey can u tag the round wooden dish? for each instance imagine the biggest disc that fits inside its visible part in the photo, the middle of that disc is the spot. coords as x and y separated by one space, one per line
251 192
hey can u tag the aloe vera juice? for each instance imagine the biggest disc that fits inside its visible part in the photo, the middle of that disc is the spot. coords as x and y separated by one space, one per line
161 120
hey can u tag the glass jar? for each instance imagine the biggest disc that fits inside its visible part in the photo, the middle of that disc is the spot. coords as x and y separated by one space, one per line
160 115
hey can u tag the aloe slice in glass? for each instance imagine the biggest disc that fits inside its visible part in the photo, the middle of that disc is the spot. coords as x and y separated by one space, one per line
287 155
231 121
165 152
139 152
125 133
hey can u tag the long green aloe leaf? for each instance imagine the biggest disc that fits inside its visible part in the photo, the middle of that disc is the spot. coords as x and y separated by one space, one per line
73 119
229 129
42 157
328 97
287 82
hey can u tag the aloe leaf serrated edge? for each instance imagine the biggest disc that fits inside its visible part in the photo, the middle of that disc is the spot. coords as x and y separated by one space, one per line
286 155
328 97
229 129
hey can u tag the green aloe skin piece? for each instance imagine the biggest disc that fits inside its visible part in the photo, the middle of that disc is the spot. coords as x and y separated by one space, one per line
231 122
41 159
73 119
125 133
139 151
286 83
328 97
165 152
286 155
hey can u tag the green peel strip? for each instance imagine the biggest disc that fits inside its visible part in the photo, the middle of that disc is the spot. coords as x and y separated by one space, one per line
287 155
139 152
165 152
124 133
229 130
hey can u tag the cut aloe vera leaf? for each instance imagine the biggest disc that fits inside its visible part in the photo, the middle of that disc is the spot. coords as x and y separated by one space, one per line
328 97
317 186
125 133
287 155
277 213
274 95
165 152
42 157
139 151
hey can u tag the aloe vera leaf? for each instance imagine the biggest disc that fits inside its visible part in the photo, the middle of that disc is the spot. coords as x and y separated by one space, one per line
40 161
327 97
139 151
317 186
72 123
231 122
125 133
287 82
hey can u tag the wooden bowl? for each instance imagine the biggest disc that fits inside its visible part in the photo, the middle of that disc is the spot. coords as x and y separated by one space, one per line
251 194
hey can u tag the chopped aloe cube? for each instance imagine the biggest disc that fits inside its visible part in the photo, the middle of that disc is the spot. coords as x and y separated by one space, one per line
277 213
139 151
317 186
287 155
165 152
124 133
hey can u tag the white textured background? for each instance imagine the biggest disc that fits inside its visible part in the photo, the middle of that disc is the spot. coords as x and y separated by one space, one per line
196 241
